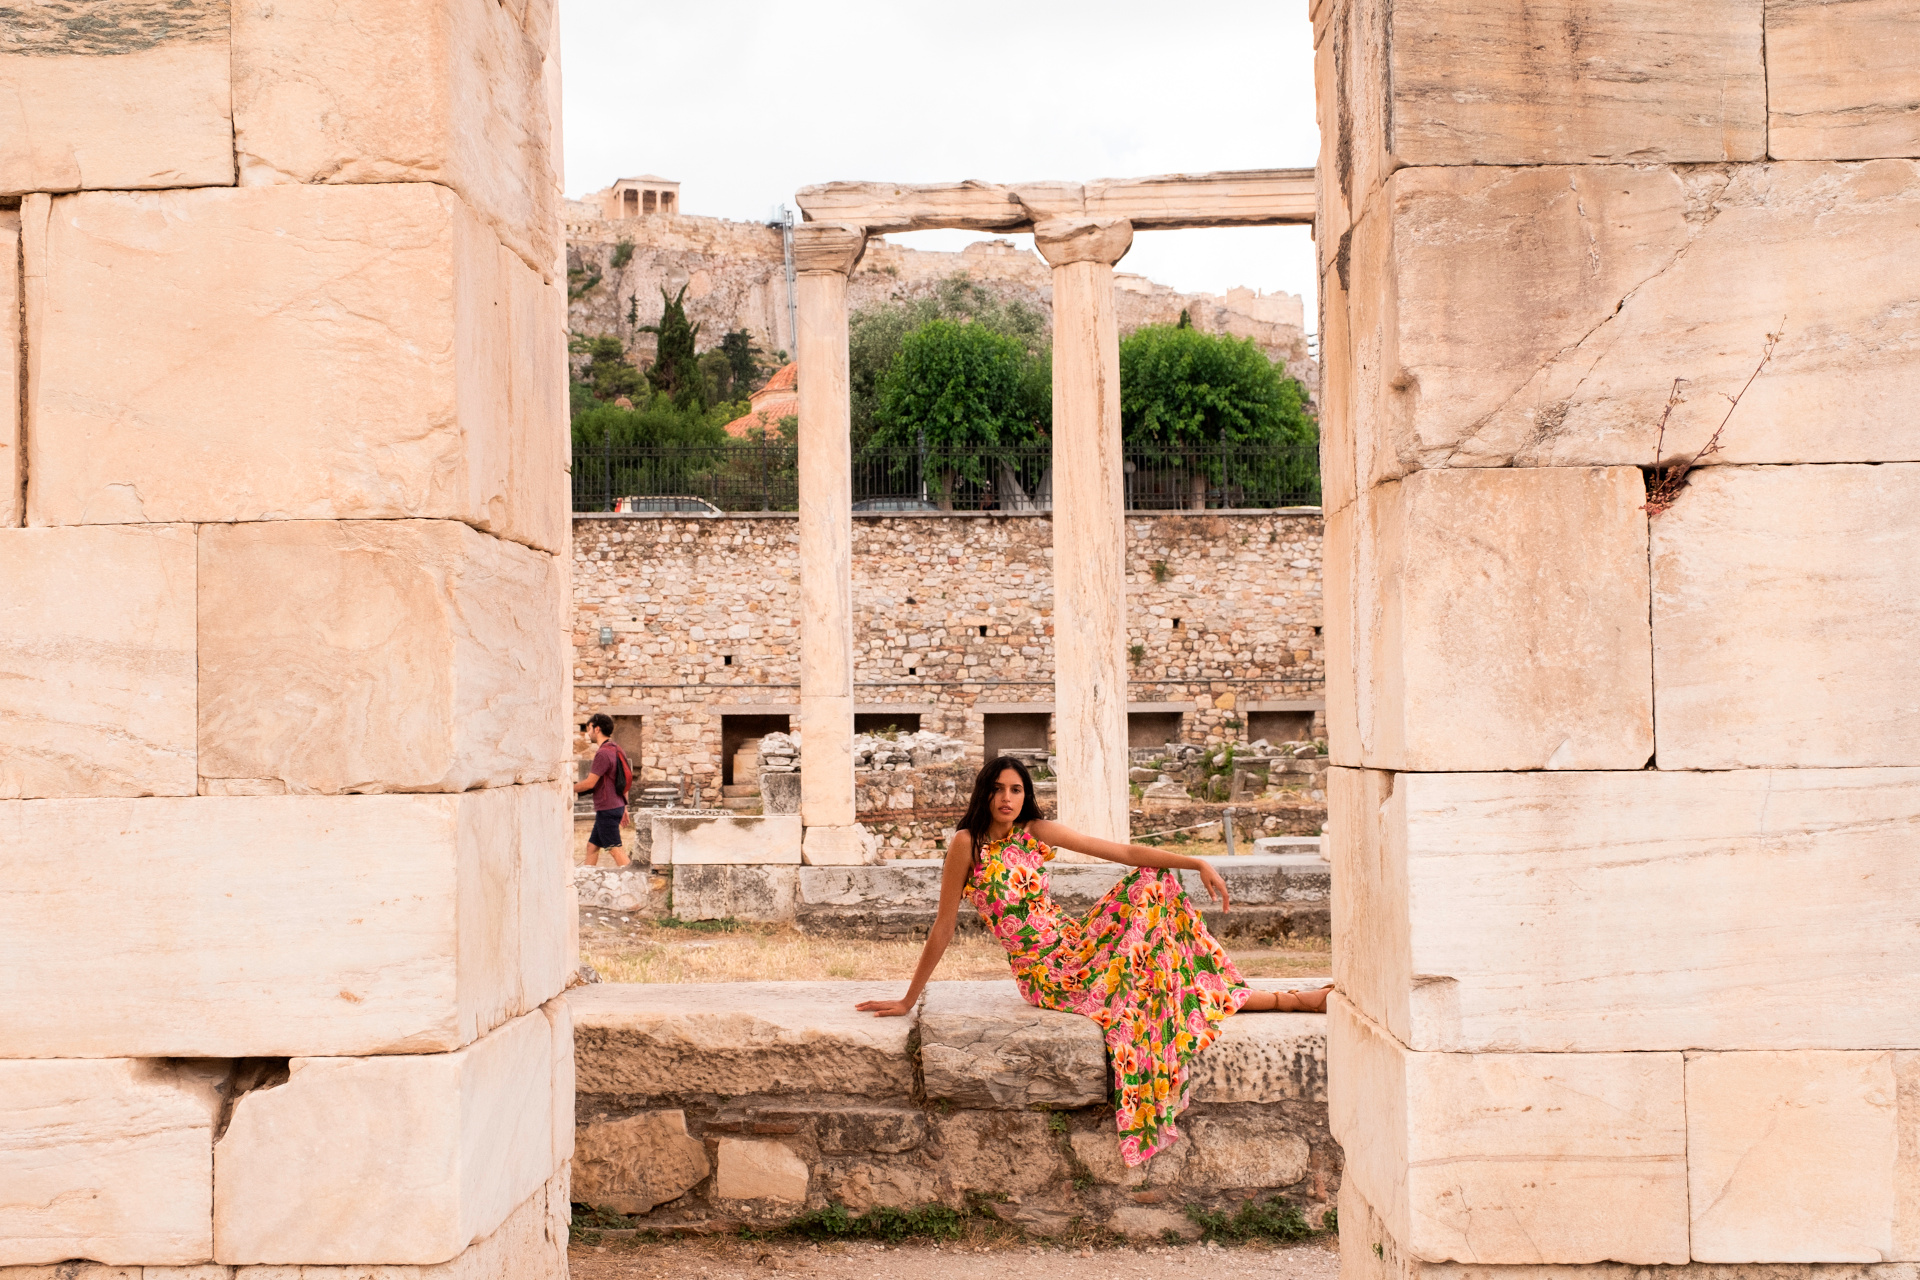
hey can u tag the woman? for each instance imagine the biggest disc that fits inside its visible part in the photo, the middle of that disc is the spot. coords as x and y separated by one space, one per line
1142 963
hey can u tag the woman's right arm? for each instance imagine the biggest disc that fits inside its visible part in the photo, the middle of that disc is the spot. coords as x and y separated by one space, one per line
953 881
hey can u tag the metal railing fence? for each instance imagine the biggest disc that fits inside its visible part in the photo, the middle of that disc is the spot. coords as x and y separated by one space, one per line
765 477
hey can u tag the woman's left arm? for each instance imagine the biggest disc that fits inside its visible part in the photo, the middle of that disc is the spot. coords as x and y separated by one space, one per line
1061 836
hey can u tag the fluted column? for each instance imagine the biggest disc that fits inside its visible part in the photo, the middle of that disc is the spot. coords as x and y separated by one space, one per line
823 254
1089 524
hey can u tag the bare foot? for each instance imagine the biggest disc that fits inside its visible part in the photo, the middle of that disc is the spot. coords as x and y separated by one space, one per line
1288 1001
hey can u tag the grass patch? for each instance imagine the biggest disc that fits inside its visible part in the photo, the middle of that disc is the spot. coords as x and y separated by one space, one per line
927 1222
1275 1219
726 924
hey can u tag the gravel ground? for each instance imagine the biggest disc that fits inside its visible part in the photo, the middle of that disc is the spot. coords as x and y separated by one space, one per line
732 1259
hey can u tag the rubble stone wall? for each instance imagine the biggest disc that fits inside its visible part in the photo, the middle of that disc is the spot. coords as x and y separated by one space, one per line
710 1108
283 666
1588 744
703 614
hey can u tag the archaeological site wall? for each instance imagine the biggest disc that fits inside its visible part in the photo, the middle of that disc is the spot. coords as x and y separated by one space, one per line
953 623
283 678
1622 971
735 277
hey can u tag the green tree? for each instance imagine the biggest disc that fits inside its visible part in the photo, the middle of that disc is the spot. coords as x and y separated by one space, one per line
607 374
743 359
1183 393
875 336
676 366
958 394
717 372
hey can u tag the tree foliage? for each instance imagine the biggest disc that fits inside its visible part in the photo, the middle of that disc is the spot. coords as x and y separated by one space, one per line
876 334
608 374
676 365
1180 387
743 359
656 424
957 388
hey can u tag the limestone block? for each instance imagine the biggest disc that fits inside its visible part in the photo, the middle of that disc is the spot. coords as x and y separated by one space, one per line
397 924
780 793
534 454
723 891
126 94
900 883
370 325
742 840
375 655
1372 965
981 1045
1262 1057
371 91
399 1159
1517 889
1580 295
1000 1151
10 370
530 1245
1243 1153
753 1169
97 647
1840 79
1481 82
1513 1158
633 1164
1791 1157
562 1089
1514 601
852 846
1778 594
690 1039
108 1159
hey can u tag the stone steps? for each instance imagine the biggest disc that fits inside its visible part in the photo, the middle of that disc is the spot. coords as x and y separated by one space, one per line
701 1107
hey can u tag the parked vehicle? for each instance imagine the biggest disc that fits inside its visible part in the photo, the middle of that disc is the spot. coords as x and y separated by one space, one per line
679 503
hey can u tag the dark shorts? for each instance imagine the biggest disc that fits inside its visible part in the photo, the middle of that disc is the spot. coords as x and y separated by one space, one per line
606 828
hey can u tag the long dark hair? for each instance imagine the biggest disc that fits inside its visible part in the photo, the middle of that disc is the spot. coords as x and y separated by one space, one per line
979 815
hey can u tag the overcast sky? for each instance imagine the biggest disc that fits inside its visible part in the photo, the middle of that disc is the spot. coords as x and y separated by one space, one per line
744 102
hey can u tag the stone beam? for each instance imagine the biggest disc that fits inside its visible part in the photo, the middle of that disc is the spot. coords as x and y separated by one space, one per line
1237 198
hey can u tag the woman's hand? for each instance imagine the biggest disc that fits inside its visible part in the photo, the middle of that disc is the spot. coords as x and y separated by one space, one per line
886 1008
1215 885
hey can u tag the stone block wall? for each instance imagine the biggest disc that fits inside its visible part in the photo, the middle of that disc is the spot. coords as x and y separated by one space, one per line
712 1107
283 654
1576 945
952 619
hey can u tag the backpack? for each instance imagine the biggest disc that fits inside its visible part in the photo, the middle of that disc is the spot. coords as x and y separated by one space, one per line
622 775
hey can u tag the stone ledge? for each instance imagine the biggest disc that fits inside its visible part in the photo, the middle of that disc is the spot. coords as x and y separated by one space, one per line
693 1116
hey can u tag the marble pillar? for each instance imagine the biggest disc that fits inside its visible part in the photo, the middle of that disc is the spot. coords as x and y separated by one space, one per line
823 254
1089 524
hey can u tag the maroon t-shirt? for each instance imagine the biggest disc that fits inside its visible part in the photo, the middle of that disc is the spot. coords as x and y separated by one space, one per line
604 796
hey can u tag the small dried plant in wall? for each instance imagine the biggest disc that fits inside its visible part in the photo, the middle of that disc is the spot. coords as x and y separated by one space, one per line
1666 480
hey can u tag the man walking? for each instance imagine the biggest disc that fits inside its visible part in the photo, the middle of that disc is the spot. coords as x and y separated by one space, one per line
608 780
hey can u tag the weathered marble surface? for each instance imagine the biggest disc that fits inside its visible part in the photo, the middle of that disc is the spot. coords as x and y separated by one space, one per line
406 1158
737 1038
376 655
97 645
1492 619
1840 82
11 370
138 417
1577 295
981 1045
1779 594
1513 893
394 91
760 1169
108 1159
734 840
1513 1158
118 94
421 922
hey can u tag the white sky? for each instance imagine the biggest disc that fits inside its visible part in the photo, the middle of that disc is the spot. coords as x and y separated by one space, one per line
744 102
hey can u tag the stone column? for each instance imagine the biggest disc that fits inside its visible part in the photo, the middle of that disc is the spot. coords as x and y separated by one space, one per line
1564 716
823 254
1089 524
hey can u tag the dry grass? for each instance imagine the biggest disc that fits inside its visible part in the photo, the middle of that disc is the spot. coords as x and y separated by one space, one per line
647 952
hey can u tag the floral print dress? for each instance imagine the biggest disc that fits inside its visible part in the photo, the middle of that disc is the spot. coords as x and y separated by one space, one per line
1141 964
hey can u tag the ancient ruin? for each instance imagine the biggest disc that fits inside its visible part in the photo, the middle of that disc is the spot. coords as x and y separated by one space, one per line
1623 805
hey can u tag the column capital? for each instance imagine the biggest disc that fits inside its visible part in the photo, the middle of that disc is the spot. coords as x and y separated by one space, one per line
1064 240
828 246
